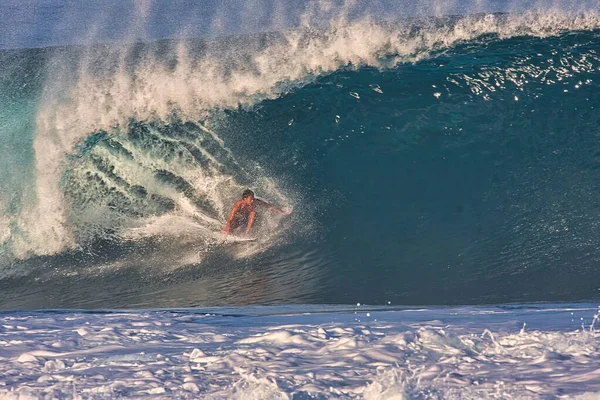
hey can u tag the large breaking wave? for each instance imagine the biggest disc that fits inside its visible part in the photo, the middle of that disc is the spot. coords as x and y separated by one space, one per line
461 145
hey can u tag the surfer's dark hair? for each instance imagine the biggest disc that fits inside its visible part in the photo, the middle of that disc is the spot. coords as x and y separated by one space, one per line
247 193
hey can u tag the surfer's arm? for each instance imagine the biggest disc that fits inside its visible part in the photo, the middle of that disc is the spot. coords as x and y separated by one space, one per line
271 207
250 221
232 214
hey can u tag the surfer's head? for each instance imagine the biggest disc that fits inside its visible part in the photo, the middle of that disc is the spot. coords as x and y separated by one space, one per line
248 195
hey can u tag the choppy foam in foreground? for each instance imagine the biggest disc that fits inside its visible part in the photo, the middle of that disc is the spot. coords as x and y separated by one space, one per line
531 352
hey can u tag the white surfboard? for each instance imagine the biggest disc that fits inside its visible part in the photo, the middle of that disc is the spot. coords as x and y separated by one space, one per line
237 239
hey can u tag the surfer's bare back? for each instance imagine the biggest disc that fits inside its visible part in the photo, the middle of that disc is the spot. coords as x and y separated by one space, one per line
244 212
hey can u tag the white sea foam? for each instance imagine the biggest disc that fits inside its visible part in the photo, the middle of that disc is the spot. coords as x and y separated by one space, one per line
453 353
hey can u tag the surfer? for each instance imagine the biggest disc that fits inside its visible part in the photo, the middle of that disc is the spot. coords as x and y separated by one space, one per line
244 212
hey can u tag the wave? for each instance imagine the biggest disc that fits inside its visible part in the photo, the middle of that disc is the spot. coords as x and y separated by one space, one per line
134 142
98 88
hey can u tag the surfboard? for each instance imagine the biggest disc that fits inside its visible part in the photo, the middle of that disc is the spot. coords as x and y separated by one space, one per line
238 239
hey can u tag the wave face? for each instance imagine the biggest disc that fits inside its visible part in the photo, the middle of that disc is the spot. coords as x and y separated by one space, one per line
428 160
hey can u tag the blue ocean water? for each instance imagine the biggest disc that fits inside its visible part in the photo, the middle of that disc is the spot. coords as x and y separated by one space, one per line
432 153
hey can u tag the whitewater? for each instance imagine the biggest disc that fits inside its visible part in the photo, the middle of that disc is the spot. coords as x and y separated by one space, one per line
440 158
525 352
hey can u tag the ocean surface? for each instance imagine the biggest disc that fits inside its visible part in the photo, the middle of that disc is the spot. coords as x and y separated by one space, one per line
441 160
431 153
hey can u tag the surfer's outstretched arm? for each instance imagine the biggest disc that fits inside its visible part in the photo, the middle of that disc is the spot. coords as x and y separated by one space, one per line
232 214
271 207
250 221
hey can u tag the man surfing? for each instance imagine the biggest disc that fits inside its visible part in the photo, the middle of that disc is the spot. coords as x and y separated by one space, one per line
244 212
